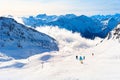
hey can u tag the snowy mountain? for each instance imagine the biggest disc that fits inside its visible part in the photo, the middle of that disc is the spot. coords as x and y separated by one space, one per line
82 24
88 27
19 41
106 17
39 20
115 33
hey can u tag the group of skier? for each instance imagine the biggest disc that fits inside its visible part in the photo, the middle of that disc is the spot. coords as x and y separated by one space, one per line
82 58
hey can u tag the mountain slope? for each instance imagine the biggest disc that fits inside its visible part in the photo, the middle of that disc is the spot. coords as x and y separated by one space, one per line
115 33
63 65
19 42
82 24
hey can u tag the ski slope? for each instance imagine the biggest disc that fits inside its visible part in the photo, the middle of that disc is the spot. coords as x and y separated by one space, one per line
62 65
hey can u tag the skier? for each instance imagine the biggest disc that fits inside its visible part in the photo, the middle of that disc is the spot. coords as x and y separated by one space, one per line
81 59
92 54
42 63
76 57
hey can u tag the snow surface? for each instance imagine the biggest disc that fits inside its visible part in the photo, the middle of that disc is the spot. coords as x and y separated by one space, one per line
62 65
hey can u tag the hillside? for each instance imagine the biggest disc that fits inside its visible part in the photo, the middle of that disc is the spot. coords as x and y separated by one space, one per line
19 41
115 34
62 65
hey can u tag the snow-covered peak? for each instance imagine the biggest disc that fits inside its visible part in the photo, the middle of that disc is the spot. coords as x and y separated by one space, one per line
70 15
67 16
46 18
18 41
41 15
115 33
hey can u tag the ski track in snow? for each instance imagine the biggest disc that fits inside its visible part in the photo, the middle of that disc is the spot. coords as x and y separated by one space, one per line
62 65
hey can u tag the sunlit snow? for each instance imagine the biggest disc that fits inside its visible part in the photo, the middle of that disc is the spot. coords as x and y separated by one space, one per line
62 64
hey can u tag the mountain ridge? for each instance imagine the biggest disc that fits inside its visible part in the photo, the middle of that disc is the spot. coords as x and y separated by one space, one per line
88 27
25 41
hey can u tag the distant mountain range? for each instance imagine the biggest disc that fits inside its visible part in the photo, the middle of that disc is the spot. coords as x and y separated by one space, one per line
19 41
88 27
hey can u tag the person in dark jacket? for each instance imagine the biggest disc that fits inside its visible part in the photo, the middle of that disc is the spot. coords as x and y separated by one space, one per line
92 54
76 57
83 57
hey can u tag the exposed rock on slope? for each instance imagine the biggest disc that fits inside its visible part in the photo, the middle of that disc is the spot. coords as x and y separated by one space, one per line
115 34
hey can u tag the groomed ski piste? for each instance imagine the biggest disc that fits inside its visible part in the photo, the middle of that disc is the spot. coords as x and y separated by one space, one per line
62 64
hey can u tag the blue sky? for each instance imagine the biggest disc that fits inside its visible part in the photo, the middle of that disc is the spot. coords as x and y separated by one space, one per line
57 7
